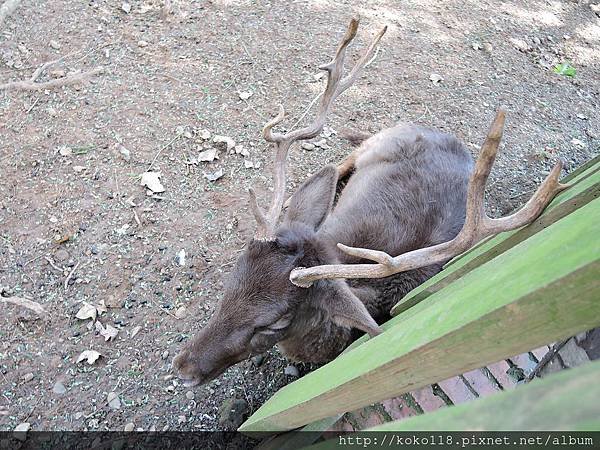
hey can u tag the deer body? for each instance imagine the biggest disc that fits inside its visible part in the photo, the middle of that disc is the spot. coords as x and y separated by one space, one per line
408 191
314 275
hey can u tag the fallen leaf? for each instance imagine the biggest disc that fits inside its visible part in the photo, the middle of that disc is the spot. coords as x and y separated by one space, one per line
241 150
135 331
63 150
208 155
214 176
435 78
152 181
87 311
90 355
101 307
109 332
224 139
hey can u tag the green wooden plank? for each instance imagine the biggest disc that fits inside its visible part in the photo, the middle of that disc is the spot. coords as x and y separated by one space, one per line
544 289
565 203
578 175
584 167
565 401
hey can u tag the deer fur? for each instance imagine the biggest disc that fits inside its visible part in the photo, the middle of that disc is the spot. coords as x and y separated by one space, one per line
408 191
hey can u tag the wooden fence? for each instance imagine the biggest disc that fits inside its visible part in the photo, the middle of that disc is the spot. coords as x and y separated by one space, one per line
514 292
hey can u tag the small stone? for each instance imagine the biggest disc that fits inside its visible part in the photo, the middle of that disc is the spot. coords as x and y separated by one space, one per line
189 395
181 419
536 40
180 258
487 47
204 134
59 388
232 413
64 150
129 427
113 400
308 146
79 169
61 255
578 143
20 430
53 44
27 377
292 371
322 144
476 46
165 354
181 312
257 360
142 43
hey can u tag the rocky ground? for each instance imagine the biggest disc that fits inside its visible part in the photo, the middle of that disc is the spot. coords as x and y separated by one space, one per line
80 236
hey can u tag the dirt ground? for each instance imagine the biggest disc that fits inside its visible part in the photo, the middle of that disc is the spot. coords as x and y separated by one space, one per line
76 226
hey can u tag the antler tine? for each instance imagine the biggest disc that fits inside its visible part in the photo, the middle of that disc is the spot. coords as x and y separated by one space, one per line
283 141
262 227
477 225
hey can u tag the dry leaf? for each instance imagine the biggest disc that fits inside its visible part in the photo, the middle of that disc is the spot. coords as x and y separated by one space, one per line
208 155
101 307
87 311
435 78
135 331
90 355
109 332
151 181
241 150
214 176
226 139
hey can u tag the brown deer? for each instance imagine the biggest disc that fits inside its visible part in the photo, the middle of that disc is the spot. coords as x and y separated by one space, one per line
414 193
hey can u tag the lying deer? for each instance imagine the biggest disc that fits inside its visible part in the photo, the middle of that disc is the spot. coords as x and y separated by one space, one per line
414 193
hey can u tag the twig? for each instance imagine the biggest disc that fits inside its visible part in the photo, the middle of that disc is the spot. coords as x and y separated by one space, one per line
71 274
545 360
33 106
54 266
7 9
31 85
25 303
168 144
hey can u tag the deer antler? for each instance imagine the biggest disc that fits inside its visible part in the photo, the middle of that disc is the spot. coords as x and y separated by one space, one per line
477 225
335 86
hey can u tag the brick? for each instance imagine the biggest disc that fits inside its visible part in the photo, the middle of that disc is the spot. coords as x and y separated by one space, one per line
427 400
481 383
540 352
553 366
367 417
499 370
524 362
572 354
398 408
456 390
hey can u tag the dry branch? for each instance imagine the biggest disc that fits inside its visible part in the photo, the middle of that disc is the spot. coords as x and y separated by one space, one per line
25 303
31 85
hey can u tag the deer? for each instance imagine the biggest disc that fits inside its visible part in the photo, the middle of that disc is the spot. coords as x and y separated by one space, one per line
319 272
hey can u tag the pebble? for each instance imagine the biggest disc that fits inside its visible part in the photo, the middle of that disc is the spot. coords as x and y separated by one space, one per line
232 412
308 146
487 47
189 395
129 427
291 371
61 255
55 45
113 400
165 354
27 377
59 388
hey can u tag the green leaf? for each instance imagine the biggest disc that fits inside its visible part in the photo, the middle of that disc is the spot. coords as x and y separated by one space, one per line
565 69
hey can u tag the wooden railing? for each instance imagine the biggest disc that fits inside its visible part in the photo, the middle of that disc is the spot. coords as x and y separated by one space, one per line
512 293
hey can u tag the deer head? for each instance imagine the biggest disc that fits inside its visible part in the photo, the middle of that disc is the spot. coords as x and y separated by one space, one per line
260 302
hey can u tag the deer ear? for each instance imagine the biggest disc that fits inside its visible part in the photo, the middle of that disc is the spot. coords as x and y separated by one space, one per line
313 200
346 309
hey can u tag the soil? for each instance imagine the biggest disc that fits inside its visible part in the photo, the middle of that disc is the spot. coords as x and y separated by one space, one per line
76 226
